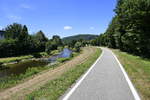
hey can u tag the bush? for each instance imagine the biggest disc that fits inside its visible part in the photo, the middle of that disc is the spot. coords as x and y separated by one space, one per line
37 55
60 48
62 59
77 46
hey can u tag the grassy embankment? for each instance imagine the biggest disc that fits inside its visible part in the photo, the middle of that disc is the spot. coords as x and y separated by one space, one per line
13 80
55 88
18 58
11 59
138 70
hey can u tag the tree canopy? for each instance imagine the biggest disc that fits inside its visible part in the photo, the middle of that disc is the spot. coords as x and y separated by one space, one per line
129 30
19 42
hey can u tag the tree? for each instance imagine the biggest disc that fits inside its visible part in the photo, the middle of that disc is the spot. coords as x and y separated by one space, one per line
12 31
77 46
53 44
49 47
40 40
57 40
129 29
40 36
19 42
8 47
23 36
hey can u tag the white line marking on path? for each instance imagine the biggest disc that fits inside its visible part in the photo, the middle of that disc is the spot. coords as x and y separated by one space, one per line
133 90
83 77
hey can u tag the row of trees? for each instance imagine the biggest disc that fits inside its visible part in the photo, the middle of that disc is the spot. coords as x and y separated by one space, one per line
130 28
19 42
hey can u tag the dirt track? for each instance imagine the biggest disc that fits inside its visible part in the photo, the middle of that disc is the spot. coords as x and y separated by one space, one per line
28 86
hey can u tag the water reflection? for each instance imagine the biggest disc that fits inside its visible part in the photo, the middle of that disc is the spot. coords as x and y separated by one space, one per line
21 67
66 53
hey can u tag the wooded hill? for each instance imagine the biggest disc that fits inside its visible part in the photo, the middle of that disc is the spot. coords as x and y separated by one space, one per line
86 37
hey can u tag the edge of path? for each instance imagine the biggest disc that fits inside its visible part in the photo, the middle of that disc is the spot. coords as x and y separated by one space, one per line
131 86
41 79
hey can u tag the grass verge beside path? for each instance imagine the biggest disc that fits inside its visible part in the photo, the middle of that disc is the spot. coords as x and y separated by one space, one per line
138 70
55 88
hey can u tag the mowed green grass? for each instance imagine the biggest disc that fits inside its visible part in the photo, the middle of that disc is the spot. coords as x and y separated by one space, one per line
55 88
138 70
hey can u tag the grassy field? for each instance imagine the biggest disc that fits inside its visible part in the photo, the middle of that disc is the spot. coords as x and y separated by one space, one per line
55 88
138 70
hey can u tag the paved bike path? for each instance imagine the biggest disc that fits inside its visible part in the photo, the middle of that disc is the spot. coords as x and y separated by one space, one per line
105 81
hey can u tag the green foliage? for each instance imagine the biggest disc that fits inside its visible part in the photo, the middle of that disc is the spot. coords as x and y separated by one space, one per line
13 31
78 46
61 60
73 39
43 54
8 47
12 59
40 40
37 55
53 44
56 39
40 36
23 36
49 47
18 41
60 48
130 28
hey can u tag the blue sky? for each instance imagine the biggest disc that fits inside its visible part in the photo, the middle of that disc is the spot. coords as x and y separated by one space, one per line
58 17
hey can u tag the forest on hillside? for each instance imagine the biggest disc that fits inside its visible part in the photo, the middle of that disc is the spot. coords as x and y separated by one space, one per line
129 29
86 37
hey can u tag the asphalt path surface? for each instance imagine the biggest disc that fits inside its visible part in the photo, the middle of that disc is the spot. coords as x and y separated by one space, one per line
104 81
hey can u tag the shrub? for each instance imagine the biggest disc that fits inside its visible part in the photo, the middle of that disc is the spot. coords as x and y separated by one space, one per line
62 59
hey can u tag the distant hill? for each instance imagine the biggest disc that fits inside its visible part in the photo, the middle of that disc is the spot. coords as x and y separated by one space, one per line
78 37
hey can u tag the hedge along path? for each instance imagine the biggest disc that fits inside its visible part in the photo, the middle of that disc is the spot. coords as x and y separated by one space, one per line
39 80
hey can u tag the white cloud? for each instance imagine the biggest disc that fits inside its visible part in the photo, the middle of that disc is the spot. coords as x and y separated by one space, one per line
14 17
67 27
92 28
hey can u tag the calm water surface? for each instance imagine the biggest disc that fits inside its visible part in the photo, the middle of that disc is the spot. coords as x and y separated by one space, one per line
21 67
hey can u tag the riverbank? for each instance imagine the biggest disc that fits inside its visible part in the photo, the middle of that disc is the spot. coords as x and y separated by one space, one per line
56 88
12 60
39 80
19 72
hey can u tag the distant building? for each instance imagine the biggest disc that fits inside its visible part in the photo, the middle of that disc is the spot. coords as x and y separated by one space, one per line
2 34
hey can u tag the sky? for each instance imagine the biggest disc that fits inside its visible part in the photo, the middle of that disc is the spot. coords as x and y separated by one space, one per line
58 17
